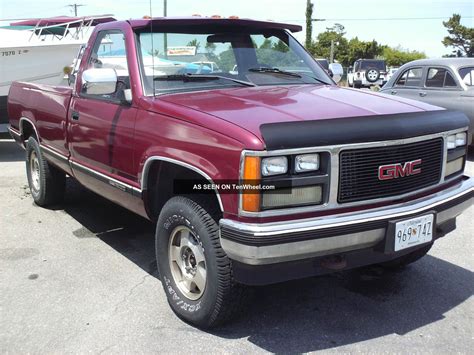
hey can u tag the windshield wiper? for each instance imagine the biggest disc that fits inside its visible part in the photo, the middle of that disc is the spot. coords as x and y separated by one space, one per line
198 77
284 72
274 71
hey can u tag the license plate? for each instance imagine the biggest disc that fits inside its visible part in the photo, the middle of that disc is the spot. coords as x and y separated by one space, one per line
413 231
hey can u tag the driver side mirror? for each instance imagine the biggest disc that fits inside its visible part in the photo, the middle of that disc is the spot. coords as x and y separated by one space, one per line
99 81
337 71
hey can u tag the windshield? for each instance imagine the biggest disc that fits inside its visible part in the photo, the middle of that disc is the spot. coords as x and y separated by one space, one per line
369 64
176 61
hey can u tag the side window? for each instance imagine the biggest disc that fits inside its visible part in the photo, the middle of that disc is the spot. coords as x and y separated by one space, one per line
449 80
467 75
109 52
439 78
410 77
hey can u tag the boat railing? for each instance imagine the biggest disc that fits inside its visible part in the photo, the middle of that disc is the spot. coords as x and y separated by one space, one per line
75 29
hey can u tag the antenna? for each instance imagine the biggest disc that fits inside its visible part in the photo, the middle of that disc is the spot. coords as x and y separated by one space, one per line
152 50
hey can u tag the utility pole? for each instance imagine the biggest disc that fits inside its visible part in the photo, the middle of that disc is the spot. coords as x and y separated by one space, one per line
75 6
165 37
331 55
309 24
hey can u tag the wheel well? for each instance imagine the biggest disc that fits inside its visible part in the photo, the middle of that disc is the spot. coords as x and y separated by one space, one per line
160 187
27 130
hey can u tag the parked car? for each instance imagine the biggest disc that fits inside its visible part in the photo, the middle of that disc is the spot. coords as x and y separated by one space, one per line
391 72
212 66
445 82
265 177
366 73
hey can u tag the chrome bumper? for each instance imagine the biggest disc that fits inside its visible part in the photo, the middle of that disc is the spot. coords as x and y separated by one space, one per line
268 243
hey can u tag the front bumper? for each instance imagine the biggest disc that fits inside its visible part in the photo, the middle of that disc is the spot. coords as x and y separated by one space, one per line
280 242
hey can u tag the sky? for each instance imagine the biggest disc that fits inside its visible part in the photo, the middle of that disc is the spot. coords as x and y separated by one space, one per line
366 19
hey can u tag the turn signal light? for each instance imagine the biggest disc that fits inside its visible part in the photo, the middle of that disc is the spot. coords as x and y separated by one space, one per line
251 175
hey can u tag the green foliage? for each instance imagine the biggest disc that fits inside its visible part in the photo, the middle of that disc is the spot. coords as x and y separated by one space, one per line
226 59
275 54
322 47
194 43
309 24
362 49
347 52
398 56
210 52
460 37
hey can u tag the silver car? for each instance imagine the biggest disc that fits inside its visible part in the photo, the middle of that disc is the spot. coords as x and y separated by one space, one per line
444 82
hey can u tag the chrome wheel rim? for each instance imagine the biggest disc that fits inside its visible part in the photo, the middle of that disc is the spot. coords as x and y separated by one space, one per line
35 171
187 263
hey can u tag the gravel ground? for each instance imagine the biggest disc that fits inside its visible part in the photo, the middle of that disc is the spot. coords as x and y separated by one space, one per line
82 278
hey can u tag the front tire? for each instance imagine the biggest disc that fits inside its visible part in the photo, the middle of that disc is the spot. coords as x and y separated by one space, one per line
195 271
47 183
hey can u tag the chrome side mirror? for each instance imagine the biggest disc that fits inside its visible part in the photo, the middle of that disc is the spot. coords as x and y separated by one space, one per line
99 81
337 71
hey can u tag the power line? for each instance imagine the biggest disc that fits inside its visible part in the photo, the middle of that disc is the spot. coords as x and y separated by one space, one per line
389 19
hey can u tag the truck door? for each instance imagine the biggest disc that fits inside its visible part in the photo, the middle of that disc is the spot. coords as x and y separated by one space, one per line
101 127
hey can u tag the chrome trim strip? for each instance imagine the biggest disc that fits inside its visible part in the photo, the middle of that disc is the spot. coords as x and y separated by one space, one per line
54 153
34 127
149 160
344 219
112 182
334 178
13 131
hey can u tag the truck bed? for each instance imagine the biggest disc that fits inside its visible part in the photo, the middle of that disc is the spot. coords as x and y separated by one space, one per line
46 107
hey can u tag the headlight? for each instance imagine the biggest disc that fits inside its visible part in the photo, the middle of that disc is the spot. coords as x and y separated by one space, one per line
461 139
274 166
306 162
457 140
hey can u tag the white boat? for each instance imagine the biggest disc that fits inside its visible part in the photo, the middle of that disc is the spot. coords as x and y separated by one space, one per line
38 50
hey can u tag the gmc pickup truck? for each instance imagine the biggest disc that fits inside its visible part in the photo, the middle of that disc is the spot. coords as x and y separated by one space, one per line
255 176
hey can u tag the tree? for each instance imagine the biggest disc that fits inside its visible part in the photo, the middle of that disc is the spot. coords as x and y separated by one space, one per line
460 37
398 56
322 47
309 24
361 49
194 43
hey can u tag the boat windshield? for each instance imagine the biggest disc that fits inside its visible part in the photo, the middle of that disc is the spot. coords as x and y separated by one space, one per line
174 61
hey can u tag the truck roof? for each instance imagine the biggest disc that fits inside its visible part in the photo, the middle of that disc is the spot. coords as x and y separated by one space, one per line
211 21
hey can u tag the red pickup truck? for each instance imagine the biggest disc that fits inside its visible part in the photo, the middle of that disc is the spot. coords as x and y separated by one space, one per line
257 169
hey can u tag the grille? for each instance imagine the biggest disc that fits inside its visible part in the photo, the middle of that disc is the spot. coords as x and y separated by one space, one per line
358 170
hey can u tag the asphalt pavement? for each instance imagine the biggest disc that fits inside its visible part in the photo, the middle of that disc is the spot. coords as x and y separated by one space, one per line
81 277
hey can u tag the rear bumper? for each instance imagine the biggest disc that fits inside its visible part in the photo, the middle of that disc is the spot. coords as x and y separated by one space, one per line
281 242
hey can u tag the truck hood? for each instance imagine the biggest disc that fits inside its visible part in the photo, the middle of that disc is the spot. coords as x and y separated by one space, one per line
252 107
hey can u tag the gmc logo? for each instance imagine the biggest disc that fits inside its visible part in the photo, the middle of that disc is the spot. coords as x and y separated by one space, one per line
395 171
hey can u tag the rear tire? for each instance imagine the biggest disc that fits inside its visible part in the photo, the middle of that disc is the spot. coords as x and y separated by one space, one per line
47 183
195 271
403 261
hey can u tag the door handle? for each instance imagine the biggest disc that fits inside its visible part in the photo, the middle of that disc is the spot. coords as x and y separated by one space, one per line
393 92
422 94
75 115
